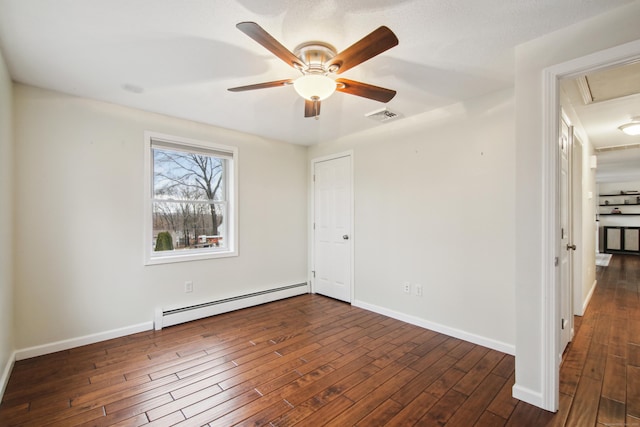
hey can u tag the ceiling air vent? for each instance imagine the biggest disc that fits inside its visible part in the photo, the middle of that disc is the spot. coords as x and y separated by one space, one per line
383 115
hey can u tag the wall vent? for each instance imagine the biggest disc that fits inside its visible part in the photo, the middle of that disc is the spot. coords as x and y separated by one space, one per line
383 115
616 148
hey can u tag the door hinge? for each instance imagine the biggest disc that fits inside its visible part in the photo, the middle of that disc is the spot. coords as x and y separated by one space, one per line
314 273
564 323
556 262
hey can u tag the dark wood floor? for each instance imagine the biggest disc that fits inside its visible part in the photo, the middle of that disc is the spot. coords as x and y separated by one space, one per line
313 361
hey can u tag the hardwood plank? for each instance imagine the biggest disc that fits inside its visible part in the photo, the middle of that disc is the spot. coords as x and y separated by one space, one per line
381 414
369 402
424 379
476 404
123 410
595 364
528 415
413 411
633 421
611 412
615 379
489 419
304 415
633 391
177 405
585 407
471 358
440 413
506 367
504 403
478 373
633 354
560 418
618 336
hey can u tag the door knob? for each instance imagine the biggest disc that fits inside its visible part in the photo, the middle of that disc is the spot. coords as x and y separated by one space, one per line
572 247
345 237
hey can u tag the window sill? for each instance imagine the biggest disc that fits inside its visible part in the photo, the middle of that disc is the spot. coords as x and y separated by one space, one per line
169 259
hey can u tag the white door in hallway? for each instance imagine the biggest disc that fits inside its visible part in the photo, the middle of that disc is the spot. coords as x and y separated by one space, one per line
332 222
566 236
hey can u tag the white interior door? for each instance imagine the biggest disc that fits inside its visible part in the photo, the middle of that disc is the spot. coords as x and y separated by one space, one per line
566 245
332 239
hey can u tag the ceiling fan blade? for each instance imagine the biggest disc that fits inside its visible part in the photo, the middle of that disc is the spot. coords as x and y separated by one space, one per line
258 33
365 90
374 44
261 85
311 108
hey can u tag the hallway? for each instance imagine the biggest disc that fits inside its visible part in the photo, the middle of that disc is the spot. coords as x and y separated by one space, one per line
600 375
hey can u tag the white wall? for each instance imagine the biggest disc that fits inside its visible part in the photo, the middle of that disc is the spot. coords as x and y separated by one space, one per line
605 31
434 205
589 229
79 195
6 234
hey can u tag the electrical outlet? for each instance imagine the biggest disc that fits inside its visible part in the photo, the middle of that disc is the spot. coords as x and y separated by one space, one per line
407 287
418 290
188 287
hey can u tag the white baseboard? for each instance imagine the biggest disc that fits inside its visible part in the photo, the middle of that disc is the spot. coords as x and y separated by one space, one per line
40 350
4 379
587 300
456 333
528 395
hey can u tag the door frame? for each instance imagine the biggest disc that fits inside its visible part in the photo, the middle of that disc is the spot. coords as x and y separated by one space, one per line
615 56
578 226
312 213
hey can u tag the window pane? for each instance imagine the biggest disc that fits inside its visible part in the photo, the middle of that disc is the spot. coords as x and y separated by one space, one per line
186 176
179 226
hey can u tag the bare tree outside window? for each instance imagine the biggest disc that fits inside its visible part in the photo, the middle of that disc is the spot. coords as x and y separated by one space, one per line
189 199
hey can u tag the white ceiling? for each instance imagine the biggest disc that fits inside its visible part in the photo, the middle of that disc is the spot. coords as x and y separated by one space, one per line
178 57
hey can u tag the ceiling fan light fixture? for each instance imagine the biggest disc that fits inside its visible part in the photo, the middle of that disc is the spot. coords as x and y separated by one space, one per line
314 87
632 128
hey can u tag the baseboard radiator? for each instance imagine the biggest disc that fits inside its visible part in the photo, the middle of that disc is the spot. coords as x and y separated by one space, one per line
175 316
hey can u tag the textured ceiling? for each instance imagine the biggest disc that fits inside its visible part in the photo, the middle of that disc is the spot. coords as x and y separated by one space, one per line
179 57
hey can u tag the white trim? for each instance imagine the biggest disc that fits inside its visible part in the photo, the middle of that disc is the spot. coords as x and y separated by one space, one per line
618 55
350 155
4 379
550 362
587 300
53 347
437 327
232 199
527 395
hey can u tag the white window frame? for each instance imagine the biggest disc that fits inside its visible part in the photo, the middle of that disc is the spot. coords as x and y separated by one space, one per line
231 177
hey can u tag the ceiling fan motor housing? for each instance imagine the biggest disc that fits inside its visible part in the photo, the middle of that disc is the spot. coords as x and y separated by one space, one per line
315 55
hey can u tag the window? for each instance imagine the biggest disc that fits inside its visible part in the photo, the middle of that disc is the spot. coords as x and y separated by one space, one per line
190 199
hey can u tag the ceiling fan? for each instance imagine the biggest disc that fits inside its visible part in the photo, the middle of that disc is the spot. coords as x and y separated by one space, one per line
317 61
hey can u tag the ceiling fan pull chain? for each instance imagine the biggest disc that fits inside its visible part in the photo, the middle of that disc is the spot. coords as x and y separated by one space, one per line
316 113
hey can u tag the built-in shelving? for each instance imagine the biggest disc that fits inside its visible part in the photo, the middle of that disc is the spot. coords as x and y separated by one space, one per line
627 203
